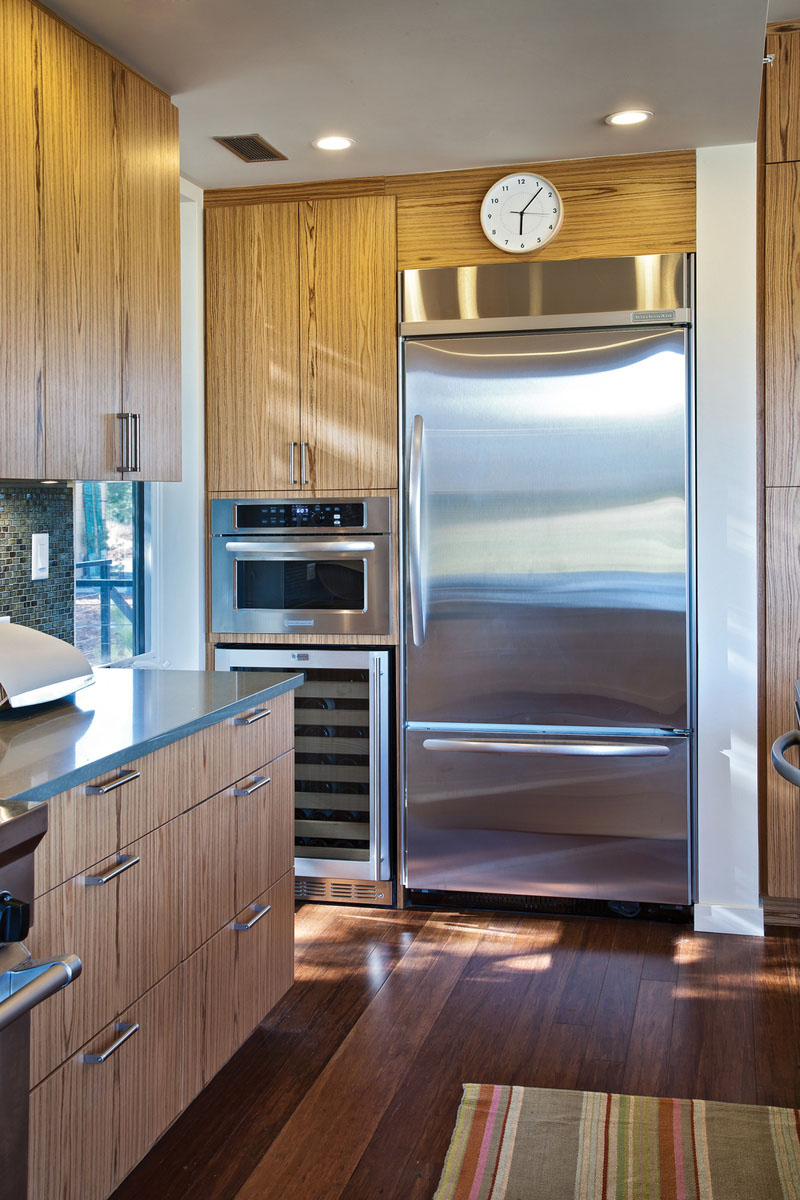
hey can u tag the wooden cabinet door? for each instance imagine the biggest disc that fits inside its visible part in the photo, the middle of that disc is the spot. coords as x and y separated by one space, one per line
21 379
81 309
77 918
264 953
71 1149
149 1071
252 324
209 1011
264 829
149 910
348 343
149 241
210 868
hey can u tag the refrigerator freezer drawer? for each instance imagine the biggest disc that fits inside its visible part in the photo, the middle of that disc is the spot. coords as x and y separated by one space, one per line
593 818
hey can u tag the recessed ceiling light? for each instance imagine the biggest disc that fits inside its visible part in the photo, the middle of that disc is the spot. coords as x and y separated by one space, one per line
628 116
334 142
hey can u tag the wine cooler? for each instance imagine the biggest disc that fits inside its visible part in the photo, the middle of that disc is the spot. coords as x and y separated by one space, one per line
342 768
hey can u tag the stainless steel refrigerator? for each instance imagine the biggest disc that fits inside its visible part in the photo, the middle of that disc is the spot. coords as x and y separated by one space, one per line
548 672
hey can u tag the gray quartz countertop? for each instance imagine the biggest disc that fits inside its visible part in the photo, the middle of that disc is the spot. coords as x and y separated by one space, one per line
126 713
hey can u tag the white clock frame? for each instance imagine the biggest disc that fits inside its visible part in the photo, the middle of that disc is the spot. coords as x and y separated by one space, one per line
499 218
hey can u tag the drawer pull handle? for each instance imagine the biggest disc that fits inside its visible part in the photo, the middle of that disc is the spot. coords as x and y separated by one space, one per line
95 790
254 786
261 911
256 716
125 1032
124 863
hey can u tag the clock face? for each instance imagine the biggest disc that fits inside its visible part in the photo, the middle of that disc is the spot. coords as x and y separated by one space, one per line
521 212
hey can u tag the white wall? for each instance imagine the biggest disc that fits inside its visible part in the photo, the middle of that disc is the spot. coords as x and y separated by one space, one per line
727 821
177 509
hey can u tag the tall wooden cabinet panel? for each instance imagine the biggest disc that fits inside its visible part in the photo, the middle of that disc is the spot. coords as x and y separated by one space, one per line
21 372
781 329
81 313
347 343
252 346
782 668
146 126
781 89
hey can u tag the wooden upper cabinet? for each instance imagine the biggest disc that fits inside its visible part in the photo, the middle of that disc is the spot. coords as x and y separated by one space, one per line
21 380
348 346
146 126
781 330
781 89
89 261
81 313
301 346
252 364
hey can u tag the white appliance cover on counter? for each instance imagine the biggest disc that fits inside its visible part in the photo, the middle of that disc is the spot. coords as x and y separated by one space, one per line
35 667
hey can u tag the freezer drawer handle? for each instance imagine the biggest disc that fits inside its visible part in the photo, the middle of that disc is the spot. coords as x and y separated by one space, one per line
415 533
44 983
779 748
570 749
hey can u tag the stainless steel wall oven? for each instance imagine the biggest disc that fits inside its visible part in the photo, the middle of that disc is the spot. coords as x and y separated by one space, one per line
310 566
343 755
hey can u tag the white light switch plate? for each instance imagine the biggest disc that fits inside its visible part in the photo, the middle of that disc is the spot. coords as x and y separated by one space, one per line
40 555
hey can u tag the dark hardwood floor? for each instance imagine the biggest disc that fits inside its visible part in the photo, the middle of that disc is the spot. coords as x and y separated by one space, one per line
350 1088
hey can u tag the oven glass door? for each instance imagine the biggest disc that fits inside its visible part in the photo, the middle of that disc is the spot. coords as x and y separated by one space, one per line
276 584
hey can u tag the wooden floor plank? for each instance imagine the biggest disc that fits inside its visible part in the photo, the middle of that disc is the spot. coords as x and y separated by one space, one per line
349 1090
318 1149
647 1059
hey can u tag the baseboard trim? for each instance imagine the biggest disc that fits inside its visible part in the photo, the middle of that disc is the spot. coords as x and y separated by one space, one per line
778 911
729 918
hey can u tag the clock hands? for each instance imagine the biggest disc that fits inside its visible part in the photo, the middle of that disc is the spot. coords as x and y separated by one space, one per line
520 212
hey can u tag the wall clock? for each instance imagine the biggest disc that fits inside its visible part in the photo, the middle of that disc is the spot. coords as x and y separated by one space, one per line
521 212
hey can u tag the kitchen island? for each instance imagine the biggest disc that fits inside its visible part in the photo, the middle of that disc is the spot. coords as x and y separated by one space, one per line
167 868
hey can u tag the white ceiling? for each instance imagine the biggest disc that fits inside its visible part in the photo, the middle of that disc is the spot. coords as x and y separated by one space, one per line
426 85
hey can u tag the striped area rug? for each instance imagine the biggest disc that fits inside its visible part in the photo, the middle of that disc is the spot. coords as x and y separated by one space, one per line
515 1143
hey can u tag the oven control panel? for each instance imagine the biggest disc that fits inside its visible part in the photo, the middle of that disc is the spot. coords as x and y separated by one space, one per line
300 516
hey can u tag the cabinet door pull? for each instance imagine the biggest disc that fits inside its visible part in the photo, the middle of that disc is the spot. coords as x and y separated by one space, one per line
261 911
136 464
125 1032
303 462
101 789
292 446
124 863
257 783
251 720
125 442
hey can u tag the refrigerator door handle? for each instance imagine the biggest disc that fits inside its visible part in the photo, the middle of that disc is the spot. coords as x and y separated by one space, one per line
569 749
415 532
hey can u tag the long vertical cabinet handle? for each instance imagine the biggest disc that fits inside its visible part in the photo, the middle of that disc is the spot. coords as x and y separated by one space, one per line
125 442
375 723
136 460
415 532
304 462
292 446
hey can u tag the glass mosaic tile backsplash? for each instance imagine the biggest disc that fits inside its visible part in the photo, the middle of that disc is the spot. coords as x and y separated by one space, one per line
44 604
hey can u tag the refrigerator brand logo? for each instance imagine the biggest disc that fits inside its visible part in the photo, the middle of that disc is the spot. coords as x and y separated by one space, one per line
667 314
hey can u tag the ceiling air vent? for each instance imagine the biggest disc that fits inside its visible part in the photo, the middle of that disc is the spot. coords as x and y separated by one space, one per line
251 148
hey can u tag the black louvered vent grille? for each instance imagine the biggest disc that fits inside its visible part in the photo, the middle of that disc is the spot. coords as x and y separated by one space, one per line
250 147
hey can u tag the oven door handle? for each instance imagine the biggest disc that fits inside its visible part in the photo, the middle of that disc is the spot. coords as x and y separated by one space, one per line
29 985
305 548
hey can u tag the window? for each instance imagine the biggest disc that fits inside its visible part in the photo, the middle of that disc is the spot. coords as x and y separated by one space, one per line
109 531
